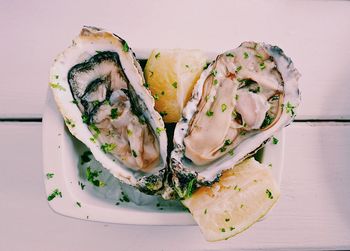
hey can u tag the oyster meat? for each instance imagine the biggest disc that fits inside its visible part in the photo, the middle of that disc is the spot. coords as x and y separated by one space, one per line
240 100
99 88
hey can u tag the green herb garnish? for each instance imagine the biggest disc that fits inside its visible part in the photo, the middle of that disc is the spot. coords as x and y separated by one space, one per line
85 118
85 157
107 148
230 55
159 130
55 193
174 85
134 154
262 66
163 113
209 113
269 194
157 55
215 82
245 55
223 107
78 203
146 85
156 96
214 72
69 122
57 86
125 46
92 176
114 113
238 68
290 108
274 141
49 175
231 152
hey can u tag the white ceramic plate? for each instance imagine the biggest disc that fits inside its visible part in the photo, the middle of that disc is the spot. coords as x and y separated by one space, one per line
61 157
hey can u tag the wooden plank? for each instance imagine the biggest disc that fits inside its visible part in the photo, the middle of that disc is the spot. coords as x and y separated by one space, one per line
315 34
313 212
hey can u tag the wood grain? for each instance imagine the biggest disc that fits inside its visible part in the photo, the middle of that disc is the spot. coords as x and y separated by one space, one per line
313 212
315 34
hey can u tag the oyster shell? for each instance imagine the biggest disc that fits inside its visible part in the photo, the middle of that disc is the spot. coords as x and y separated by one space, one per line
239 102
99 88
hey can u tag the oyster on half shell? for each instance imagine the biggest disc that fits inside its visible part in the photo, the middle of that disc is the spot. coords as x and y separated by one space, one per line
239 102
99 88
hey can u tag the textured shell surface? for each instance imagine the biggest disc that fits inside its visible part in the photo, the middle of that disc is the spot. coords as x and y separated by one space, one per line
242 98
98 86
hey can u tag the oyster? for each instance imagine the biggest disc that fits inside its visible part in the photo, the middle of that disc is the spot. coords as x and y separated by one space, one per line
99 88
239 102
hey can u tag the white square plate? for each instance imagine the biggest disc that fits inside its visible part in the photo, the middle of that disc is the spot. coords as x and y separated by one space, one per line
61 156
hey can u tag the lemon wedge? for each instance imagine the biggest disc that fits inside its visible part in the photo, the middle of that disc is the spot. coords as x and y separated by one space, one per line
243 195
171 75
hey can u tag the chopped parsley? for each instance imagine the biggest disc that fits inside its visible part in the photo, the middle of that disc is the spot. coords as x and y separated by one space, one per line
245 55
223 107
157 55
49 175
238 68
55 193
207 97
267 121
206 65
231 152
269 194
227 219
125 46
262 66
74 102
290 108
124 198
92 176
232 228
107 148
114 113
216 81
258 56
81 184
134 154
57 86
156 96
159 130
163 93
129 132
230 55
78 203
187 66
205 211
274 141
95 129
237 97
146 85
56 76
93 140
174 84
85 118
242 205
209 113
214 73
223 230
69 122
163 113
85 157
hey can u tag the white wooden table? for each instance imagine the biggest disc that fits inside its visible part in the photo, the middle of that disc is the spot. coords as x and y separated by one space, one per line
314 210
